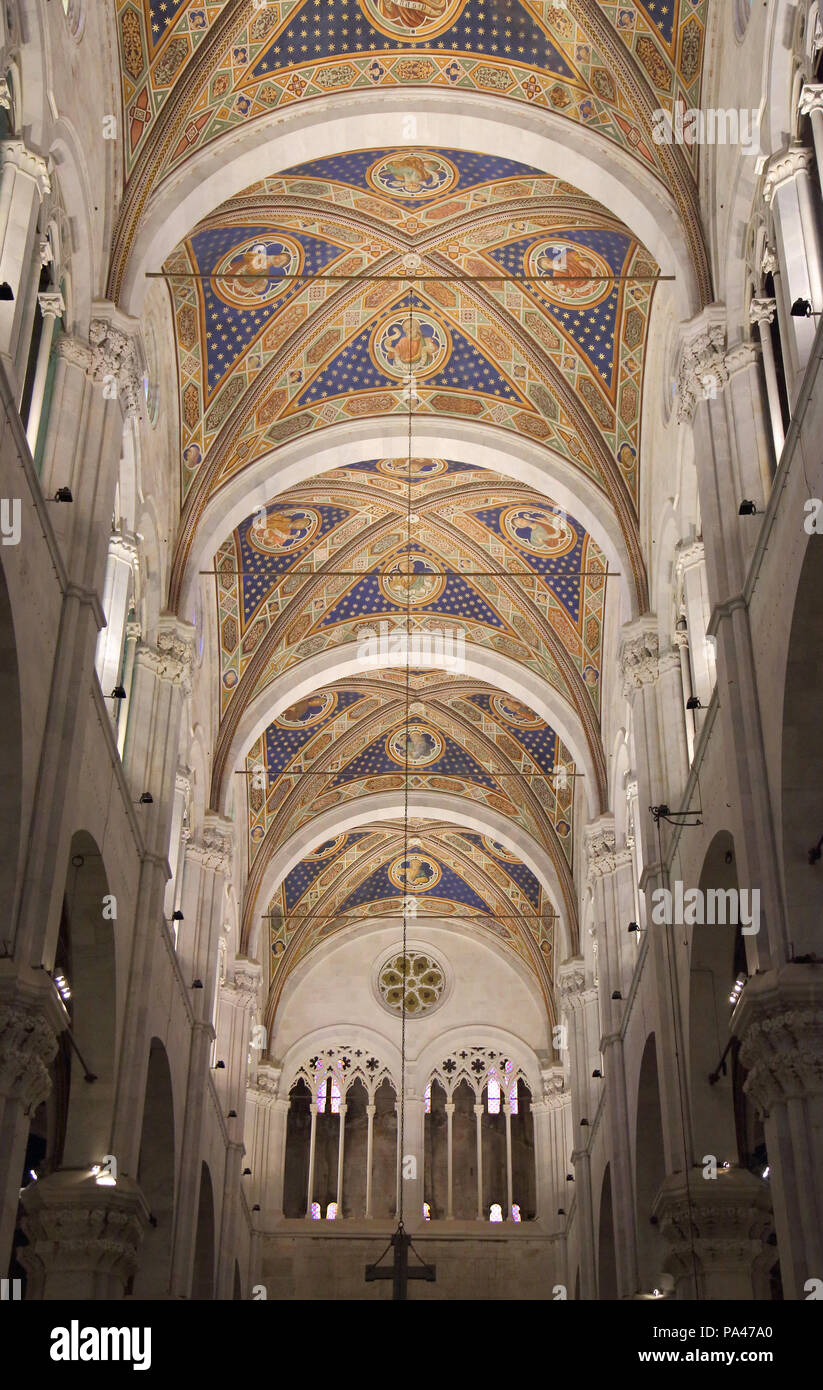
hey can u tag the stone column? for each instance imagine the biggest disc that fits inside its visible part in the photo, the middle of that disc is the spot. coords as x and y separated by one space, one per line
762 312
552 1148
208 863
88 428
236 1008
24 182
787 189
478 1122
779 1021
162 676
650 683
579 1006
121 563
267 1117
691 574
716 1230
52 307
83 1239
727 471
449 1108
370 1109
811 105
133 634
31 1017
415 1120
610 879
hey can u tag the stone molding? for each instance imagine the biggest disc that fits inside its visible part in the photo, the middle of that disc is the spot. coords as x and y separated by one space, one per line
600 846
51 302
811 98
784 166
16 153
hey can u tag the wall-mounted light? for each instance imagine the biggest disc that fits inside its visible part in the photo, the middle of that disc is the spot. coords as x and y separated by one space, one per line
177 915
693 702
6 291
247 1172
747 508
616 994
146 799
232 1115
118 693
63 494
220 1066
584 1122
597 1073
197 984
570 1177
802 309
633 926
561 1211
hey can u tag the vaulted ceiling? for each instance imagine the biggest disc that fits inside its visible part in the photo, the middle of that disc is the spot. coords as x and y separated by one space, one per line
404 285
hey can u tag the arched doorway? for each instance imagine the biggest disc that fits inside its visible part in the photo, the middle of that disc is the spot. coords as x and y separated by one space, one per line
649 1169
606 1256
156 1176
11 765
202 1284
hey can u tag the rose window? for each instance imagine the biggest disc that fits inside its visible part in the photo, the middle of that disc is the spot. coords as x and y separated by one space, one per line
425 982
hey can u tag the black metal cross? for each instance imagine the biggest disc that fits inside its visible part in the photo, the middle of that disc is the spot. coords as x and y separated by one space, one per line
399 1271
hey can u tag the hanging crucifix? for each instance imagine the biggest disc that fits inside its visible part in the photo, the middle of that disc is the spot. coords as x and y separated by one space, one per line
399 1270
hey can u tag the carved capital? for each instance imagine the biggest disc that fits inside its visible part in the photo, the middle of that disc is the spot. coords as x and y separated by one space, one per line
721 1223
247 975
27 1045
762 310
639 654
172 658
554 1087
599 840
75 1227
214 849
779 1020
811 98
51 302
571 980
702 370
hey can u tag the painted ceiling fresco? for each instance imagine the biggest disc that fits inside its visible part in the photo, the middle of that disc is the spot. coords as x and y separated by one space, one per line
452 875
414 283
604 65
289 340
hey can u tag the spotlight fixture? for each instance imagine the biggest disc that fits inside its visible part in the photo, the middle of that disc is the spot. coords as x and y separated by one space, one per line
597 1073
63 494
747 508
676 818
801 309
146 799
693 702
633 926
197 984
6 291
220 1066
256 1206
570 1177
584 1122
737 989
561 1211
118 693
63 987
247 1172
232 1115
177 915
616 994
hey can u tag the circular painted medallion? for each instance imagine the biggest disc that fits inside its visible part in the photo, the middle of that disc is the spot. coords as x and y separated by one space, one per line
280 530
416 745
414 873
515 713
560 264
412 174
539 530
499 851
422 975
410 345
412 19
417 468
304 713
328 848
412 585
255 272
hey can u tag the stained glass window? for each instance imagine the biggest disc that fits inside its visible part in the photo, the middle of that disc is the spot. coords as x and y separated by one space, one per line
494 1097
496 1212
